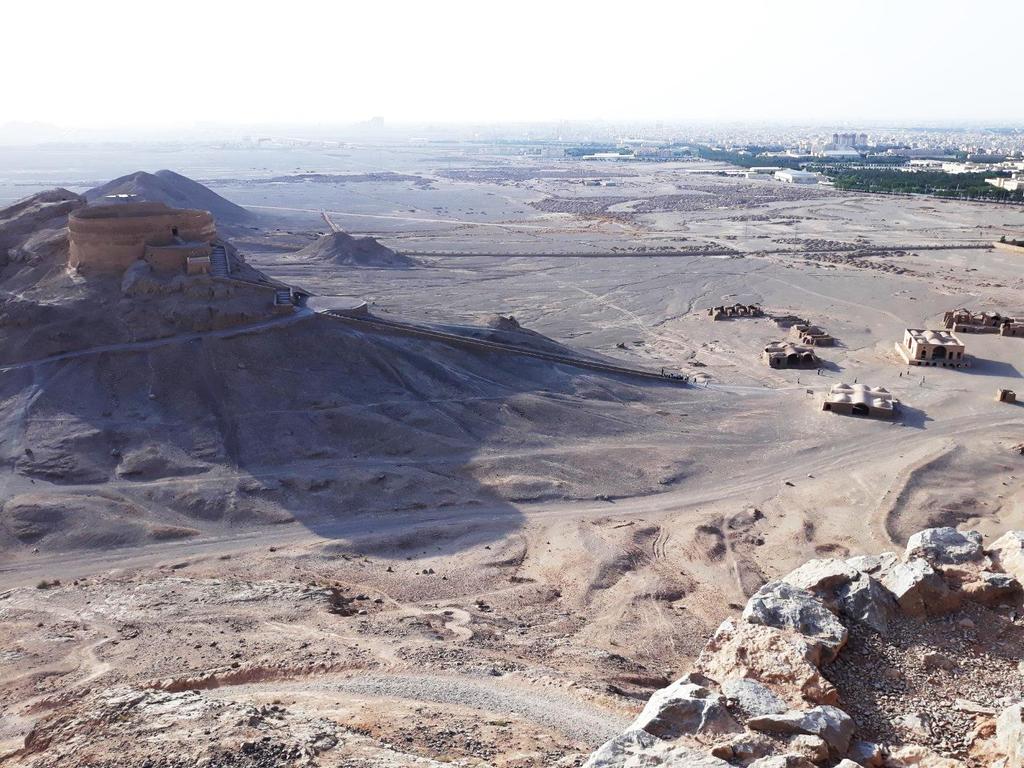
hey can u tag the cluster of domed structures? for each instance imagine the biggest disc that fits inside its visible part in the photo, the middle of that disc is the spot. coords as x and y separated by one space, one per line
784 354
932 348
860 400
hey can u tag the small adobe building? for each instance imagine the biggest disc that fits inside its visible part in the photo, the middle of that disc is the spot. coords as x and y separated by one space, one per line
964 321
734 311
811 335
932 348
860 400
784 354
110 238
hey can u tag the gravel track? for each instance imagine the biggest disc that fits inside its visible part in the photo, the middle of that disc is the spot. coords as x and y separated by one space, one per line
567 715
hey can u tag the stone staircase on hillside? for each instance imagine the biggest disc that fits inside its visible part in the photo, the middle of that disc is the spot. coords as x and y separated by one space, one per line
283 301
219 265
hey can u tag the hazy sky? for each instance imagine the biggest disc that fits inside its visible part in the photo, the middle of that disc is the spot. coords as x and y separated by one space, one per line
109 63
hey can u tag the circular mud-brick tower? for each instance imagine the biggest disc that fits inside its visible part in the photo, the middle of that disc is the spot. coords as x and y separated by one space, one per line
110 238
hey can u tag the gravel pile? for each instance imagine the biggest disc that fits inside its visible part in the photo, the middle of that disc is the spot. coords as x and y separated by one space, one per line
928 681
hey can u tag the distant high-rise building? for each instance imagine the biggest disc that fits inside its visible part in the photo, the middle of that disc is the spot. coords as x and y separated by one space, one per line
847 141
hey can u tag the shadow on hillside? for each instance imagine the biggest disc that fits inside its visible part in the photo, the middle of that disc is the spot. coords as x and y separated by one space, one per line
385 444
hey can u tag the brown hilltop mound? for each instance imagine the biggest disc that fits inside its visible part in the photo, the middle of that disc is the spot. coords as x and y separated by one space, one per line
178 402
48 309
231 430
174 190
504 323
341 248
36 225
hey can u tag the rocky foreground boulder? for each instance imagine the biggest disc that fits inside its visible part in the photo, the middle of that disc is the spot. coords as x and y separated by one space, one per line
835 664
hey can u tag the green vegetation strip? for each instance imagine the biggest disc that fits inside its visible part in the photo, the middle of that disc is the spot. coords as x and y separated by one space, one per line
965 186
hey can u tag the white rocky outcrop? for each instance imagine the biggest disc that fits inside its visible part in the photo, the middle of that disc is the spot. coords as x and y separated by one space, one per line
847 589
916 756
758 684
685 707
1010 735
990 588
782 660
753 698
1007 554
831 724
945 546
639 749
822 576
782 761
783 606
919 589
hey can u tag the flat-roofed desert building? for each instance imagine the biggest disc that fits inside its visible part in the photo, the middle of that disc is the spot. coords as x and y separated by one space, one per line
785 354
964 321
797 177
811 335
860 400
736 310
932 348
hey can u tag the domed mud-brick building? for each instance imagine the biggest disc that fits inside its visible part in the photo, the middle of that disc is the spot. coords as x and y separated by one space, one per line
110 238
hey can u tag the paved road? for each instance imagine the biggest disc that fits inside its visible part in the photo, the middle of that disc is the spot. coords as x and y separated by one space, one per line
421 219
330 223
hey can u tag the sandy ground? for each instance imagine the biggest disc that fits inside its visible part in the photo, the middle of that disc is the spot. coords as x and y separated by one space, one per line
548 546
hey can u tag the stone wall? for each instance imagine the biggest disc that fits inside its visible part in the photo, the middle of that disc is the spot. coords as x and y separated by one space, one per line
1009 247
175 257
109 238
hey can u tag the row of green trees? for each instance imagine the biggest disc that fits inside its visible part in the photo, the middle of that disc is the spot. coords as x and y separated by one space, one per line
971 186
745 160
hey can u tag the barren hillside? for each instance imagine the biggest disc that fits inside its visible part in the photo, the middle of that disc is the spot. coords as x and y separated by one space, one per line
174 190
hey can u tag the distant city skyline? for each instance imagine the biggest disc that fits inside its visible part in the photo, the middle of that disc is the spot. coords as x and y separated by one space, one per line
115 64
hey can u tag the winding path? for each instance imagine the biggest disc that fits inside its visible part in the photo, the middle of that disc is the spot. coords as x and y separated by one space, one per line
566 714
136 346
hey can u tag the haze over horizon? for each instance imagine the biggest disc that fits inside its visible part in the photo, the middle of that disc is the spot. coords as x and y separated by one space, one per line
512 385
790 62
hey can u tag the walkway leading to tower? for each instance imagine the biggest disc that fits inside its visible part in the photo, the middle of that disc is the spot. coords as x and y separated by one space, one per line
219 266
380 325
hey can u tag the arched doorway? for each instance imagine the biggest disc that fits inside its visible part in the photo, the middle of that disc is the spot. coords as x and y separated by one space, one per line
938 353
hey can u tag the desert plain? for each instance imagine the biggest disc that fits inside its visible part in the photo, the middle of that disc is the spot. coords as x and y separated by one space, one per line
317 542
